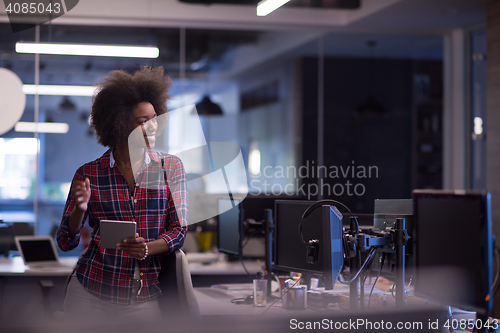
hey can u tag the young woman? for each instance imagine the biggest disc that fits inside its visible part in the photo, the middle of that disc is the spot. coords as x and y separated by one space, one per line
130 182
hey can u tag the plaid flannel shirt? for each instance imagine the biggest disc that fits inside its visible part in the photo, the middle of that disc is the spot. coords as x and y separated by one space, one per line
159 206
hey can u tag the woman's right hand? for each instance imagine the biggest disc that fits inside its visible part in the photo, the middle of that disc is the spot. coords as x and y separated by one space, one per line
80 191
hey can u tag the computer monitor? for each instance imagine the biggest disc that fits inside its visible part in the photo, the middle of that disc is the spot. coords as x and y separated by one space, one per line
7 233
332 246
454 248
386 212
7 242
256 204
364 220
290 253
229 226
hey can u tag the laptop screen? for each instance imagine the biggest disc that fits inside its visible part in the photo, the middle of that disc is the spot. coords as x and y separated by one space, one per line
37 250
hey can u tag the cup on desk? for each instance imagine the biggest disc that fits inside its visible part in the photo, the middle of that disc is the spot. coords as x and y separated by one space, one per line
282 280
295 298
259 292
314 283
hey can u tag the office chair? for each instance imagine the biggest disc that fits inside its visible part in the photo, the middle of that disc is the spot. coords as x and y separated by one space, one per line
23 229
178 298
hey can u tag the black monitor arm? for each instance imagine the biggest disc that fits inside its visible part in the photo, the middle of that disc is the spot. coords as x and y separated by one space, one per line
354 243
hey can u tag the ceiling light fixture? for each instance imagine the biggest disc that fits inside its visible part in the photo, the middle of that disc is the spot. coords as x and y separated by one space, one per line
88 50
31 89
208 108
254 159
66 105
267 6
42 127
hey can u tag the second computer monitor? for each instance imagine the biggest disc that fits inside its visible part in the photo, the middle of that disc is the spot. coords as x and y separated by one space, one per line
256 204
229 227
454 248
290 253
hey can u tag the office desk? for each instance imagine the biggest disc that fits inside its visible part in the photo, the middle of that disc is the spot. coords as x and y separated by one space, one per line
16 267
217 302
217 310
37 294
204 275
22 304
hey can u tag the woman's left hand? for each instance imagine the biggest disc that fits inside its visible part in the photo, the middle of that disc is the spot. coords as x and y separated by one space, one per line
136 247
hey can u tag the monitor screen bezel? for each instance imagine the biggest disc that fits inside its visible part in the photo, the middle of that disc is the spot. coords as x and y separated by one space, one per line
277 265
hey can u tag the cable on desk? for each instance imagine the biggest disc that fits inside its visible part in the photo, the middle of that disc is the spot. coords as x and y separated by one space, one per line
378 275
364 275
370 255
405 288
242 263
252 235
241 252
243 300
368 269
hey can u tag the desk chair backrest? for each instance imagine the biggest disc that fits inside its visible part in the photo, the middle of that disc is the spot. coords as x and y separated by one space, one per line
178 298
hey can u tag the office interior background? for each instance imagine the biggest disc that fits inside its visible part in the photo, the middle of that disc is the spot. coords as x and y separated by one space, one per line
403 88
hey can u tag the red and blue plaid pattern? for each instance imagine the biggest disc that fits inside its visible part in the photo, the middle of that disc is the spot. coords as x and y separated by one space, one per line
159 206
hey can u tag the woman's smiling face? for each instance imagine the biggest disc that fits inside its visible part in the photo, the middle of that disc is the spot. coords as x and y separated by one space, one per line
144 127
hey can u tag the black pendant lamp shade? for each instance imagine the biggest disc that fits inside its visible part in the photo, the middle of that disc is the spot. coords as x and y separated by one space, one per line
371 108
66 105
208 108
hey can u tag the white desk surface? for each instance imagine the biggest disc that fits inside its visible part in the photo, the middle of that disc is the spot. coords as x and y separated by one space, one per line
15 267
216 302
216 264
225 268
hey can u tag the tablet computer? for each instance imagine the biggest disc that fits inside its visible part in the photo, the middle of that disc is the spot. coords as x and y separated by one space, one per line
113 232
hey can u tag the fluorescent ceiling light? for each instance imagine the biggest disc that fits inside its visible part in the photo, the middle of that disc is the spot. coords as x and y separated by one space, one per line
89 50
42 127
254 162
31 89
267 6
478 125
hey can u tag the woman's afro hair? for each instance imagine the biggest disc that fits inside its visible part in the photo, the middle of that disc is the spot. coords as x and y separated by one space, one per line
119 94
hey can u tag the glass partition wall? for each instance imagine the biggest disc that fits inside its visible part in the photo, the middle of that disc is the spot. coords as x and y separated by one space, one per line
271 90
203 64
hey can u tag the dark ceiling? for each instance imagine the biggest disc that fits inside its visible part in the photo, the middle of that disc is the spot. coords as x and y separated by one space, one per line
204 47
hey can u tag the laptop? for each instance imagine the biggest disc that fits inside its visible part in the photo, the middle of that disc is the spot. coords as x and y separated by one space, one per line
38 252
